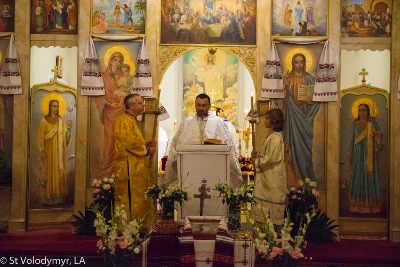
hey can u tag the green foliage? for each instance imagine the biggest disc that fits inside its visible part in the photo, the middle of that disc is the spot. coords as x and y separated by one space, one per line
84 224
321 228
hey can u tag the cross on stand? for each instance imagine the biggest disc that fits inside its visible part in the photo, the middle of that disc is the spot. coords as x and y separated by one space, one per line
55 70
363 73
212 93
203 189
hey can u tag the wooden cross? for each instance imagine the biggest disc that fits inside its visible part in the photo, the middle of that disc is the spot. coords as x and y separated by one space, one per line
55 70
203 189
363 73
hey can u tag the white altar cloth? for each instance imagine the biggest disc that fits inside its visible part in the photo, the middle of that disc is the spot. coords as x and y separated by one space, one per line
203 166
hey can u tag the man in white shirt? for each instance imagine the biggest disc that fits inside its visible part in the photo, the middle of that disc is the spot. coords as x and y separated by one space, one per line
197 129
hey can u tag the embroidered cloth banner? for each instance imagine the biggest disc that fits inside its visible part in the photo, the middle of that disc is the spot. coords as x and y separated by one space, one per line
326 88
92 83
10 78
142 81
272 81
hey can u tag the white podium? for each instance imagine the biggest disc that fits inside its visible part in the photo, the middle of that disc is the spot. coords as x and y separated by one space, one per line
200 168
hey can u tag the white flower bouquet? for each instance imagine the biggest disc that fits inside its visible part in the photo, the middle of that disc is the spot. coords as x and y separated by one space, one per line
120 239
280 252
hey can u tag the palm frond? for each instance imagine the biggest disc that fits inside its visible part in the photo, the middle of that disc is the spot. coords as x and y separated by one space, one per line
84 224
321 228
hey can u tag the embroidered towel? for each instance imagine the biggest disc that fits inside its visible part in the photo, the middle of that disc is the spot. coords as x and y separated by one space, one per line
272 81
142 83
10 78
326 88
92 83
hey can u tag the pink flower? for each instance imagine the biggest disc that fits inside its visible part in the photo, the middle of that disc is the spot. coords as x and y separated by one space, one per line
99 243
294 197
122 242
296 254
272 255
95 191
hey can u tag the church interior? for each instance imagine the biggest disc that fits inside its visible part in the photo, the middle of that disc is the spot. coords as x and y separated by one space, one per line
358 39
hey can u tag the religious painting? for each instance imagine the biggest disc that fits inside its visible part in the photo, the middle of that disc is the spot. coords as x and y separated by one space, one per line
54 16
52 146
364 152
208 22
299 18
212 71
7 15
118 62
118 17
304 119
360 18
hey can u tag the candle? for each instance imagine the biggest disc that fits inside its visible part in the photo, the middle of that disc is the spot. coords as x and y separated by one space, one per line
251 107
174 126
240 135
245 121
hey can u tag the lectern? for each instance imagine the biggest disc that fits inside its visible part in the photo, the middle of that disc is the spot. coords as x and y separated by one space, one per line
200 168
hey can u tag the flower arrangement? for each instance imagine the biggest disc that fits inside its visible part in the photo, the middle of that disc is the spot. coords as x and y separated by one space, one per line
104 189
167 195
280 252
234 198
103 195
120 239
302 200
103 199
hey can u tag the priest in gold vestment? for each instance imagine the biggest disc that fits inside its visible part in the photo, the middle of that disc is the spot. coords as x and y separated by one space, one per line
131 162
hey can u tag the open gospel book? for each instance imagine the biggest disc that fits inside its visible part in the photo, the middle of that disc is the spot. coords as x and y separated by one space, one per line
305 92
212 141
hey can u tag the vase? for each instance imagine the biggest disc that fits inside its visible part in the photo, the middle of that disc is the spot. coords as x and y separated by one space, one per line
167 205
234 215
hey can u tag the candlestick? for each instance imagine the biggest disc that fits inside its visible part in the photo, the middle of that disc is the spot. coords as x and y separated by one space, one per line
251 107
158 98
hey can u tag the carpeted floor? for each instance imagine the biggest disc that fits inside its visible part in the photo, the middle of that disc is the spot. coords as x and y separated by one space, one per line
80 250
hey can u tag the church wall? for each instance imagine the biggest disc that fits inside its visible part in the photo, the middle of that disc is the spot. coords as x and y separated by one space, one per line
24 41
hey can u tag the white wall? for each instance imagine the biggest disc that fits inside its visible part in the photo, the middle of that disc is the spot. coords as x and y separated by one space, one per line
43 60
376 63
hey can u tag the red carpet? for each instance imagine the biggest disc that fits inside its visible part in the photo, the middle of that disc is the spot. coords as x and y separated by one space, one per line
62 242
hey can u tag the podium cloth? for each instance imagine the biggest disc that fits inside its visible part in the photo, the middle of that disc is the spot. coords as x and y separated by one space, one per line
190 131
173 250
200 169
